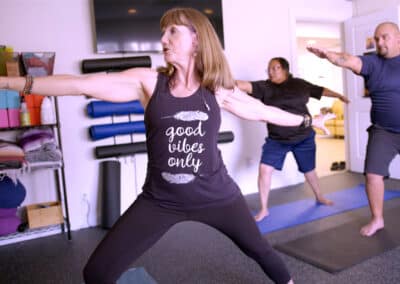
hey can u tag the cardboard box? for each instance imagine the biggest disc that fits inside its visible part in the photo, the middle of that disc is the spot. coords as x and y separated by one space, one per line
44 214
13 68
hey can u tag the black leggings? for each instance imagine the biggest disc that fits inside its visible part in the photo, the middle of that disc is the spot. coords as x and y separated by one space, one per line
145 222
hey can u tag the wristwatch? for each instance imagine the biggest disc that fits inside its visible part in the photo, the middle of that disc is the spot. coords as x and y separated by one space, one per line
307 121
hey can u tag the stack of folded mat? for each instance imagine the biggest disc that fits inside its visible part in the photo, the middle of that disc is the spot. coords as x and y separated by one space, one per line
11 155
40 148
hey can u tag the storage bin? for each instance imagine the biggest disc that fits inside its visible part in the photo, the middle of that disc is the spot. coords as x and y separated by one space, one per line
44 214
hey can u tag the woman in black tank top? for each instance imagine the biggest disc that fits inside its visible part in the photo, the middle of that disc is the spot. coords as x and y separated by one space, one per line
186 177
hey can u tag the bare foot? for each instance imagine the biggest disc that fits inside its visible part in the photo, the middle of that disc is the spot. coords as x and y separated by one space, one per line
323 200
372 227
261 215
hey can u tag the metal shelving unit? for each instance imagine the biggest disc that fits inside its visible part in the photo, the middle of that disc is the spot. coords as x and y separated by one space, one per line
59 176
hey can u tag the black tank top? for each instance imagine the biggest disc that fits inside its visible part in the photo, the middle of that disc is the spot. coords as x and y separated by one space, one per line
185 168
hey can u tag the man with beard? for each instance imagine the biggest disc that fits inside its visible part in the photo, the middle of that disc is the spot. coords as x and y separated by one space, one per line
381 72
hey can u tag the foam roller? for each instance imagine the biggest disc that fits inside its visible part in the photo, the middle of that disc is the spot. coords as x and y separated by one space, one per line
114 64
101 108
120 150
140 147
111 194
225 137
102 131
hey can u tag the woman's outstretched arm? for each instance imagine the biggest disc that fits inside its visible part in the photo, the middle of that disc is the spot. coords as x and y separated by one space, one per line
247 107
128 85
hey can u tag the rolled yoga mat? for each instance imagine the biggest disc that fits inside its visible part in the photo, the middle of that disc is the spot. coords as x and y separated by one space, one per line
140 147
111 192
107 130
120 150
225 137
114 64
101 108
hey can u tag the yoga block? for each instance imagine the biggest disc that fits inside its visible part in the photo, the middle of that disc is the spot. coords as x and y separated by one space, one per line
44 214
13 117
13 99
4 119
3 99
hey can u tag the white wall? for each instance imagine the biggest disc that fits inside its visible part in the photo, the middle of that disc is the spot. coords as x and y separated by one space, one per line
255 30
363 7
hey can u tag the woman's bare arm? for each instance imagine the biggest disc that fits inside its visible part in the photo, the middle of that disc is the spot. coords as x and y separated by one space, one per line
132 84
247 107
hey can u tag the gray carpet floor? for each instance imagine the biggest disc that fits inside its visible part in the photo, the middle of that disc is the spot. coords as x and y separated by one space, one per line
195 253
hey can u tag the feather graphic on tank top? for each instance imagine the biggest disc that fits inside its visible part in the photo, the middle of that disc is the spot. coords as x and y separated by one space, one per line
177 178
189 116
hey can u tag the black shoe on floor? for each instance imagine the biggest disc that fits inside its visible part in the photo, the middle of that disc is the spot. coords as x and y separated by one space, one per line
334 166
342 165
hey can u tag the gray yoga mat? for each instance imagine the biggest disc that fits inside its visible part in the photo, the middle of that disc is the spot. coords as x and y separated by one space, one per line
341 247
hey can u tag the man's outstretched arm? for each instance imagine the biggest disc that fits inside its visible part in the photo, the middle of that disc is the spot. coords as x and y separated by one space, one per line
340 59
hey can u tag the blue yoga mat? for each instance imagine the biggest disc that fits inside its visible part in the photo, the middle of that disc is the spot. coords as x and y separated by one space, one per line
108 130
307 210
101 108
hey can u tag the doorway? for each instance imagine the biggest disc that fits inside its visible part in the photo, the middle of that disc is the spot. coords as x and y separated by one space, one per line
331 151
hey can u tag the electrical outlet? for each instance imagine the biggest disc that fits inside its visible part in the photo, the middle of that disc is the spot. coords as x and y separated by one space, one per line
84 197
86 205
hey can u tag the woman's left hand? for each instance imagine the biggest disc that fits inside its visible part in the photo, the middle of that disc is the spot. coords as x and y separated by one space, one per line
319 121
